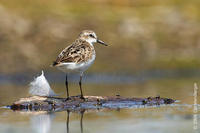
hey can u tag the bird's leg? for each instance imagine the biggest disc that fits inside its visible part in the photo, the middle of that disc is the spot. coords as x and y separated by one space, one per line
80 85
66 84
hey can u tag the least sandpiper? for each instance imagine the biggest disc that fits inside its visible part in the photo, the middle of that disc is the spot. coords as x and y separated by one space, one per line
78 56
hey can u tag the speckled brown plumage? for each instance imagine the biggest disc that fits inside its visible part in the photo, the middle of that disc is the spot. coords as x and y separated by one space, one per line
78 52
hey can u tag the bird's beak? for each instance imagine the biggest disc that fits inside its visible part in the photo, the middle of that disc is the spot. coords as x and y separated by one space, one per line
101 42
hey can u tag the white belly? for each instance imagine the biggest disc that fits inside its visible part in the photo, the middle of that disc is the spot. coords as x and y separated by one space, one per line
74 67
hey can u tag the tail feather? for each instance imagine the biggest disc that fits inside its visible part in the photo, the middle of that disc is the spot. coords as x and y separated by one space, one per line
54 63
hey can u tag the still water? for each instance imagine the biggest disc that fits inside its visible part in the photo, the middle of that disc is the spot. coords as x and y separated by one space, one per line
178 117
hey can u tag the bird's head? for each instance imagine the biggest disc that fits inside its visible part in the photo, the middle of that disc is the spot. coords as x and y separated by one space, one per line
90 37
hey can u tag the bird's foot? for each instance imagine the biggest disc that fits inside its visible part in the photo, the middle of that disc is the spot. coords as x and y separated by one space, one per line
68 98
82 97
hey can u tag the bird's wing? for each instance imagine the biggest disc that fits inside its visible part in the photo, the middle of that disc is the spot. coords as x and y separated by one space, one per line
78 52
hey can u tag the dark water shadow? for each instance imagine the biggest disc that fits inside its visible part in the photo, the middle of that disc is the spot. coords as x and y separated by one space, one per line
106 78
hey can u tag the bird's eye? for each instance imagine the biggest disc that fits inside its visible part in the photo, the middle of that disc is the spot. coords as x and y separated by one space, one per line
91 36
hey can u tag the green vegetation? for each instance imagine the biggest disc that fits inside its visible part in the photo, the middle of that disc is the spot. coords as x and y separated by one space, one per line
142 34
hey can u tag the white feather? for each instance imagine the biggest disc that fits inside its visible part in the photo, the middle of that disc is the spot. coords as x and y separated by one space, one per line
40 87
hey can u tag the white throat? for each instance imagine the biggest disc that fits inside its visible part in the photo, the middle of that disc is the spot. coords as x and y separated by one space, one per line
91 41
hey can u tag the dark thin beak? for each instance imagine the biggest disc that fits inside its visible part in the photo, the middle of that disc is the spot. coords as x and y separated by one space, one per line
101 42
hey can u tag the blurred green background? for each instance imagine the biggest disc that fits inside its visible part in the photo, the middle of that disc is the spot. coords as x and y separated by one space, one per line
143 34
154 49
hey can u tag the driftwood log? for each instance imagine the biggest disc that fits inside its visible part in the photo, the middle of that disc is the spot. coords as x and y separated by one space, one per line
39 103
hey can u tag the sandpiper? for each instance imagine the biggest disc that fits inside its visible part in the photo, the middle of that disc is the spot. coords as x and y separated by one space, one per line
78 56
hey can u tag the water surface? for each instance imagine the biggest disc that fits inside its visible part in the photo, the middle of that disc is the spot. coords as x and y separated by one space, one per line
178 117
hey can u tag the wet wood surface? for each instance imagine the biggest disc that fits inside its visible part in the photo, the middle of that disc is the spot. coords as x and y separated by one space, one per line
75 103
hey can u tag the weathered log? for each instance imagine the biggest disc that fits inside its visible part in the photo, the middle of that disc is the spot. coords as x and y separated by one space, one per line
75 103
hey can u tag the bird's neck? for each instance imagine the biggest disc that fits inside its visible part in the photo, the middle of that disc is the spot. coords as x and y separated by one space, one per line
91 42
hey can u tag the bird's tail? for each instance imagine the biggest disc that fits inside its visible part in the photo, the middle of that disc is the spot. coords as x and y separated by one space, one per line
54 64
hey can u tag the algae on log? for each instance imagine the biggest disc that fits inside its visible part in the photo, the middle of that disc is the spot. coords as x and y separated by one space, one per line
39 103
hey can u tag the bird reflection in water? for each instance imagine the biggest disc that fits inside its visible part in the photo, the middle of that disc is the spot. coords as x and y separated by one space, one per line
81 120
41 123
